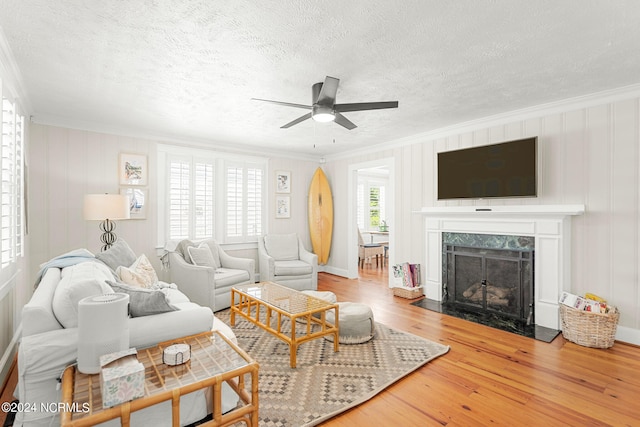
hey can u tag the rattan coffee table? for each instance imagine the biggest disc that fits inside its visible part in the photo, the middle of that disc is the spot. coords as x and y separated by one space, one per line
267 304
214 360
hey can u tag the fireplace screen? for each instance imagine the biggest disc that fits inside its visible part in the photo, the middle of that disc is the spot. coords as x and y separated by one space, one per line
490 280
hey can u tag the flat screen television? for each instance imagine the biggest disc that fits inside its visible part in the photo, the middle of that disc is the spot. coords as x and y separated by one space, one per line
507 169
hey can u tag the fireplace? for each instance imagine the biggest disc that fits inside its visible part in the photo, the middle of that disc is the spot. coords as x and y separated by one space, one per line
489 274
548 226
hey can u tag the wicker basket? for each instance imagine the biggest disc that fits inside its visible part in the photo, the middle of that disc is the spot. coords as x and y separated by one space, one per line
589 329
408 293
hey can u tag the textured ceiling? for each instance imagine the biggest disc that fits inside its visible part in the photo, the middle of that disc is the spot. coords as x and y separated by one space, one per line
187 69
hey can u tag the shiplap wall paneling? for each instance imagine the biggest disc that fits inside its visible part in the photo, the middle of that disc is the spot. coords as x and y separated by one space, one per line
598 201
575 180
37 193
80 162
57 189
624 203
586 156
551 159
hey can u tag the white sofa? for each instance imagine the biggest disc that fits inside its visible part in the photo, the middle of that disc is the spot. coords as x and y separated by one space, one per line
284 260
47 347
209 284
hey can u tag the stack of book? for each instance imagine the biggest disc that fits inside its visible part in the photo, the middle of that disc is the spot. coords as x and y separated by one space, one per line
407 275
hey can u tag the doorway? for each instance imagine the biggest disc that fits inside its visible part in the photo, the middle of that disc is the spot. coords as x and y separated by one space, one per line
371 191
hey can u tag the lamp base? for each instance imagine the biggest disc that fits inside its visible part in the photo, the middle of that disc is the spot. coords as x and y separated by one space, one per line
108 237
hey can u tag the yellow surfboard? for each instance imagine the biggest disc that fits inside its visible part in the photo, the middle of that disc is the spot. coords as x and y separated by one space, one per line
320 215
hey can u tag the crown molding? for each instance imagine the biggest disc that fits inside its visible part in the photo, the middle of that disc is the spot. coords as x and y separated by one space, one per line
556 107
87 126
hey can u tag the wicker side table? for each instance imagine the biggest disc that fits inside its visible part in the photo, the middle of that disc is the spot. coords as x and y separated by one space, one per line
214 360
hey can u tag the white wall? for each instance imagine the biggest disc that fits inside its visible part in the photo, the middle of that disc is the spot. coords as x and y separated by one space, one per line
587 155
301 174
66 164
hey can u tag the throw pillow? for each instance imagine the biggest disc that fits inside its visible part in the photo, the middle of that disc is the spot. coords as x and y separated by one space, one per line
118 254
78 281
143 302
202 256
182 249
140 273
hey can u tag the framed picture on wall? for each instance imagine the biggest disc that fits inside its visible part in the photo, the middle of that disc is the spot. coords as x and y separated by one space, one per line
283 207
283 182
133 169
138 201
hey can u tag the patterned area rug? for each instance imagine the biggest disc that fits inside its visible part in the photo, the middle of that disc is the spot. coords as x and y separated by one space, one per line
325 383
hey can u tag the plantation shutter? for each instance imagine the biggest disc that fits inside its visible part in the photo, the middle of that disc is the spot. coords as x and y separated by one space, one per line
244 209
179 181
360 207
191 203
203 188
11 215
234 201
254 202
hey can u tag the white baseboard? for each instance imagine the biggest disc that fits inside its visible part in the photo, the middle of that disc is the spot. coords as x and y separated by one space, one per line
336 271
628 335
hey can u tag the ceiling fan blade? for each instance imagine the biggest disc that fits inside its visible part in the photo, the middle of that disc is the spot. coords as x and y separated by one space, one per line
296 121
287 104
361 106
344 122
327 95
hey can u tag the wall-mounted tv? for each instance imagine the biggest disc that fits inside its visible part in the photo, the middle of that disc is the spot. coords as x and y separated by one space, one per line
508 169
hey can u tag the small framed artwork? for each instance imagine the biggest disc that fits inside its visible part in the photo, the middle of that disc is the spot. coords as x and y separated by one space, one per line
138 201
133 169
283 207
283 182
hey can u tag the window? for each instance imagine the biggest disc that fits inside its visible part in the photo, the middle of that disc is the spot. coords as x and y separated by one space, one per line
190 195
371 204
207 195
244 201
12 152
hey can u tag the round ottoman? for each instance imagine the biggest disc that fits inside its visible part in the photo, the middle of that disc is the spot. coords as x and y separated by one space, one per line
356 323
328 296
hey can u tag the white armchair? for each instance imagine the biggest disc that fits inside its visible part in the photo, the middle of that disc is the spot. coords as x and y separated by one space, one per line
283 259
205 284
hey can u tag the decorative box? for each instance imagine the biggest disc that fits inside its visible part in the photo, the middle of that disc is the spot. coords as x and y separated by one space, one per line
121 377
176 354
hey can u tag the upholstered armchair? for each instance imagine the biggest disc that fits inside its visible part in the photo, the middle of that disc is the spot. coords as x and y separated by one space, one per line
205 272
283 259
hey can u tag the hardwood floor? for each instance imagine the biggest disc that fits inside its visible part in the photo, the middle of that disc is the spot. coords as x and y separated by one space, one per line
490 376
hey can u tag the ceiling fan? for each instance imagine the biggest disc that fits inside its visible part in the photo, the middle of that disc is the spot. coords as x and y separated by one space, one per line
324 107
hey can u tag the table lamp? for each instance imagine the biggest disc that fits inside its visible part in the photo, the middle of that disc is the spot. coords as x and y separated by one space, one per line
106 208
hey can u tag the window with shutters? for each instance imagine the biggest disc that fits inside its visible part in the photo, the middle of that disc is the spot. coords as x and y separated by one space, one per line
11 164
371 203
207 195
244 201
191 191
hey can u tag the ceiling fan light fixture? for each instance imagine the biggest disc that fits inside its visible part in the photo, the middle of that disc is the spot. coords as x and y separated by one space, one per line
324 117
323 114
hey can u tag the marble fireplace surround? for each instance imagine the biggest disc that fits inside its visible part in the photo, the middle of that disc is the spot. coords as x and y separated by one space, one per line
549 225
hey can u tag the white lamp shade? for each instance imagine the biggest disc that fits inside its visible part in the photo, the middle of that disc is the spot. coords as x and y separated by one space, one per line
99 207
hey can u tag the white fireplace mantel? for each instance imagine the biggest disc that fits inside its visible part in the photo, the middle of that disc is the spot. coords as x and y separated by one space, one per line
505 211
550 225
